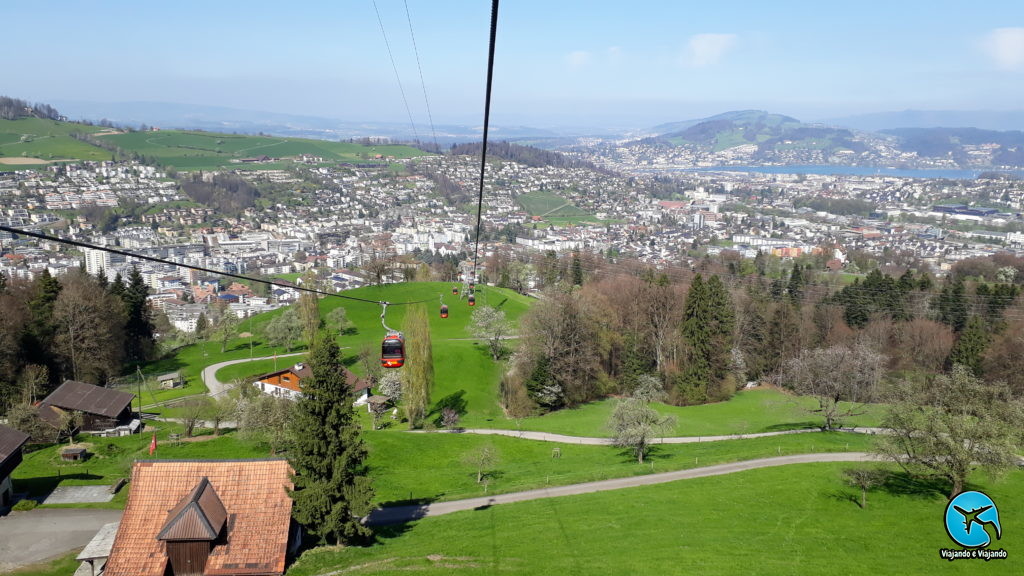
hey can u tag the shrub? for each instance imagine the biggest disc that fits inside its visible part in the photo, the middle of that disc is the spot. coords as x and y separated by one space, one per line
25 505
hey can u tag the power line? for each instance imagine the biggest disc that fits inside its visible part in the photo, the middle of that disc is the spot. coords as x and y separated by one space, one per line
423 83
79 244
398 78
487 120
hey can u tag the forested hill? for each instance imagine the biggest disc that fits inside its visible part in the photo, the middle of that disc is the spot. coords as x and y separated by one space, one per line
527 155
13 108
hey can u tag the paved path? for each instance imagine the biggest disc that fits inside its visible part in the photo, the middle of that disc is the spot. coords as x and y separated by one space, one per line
563 439
38 535
216 386
400 514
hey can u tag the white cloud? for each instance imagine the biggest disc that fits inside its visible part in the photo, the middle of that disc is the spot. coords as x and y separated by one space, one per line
578 59
708 49
1006 47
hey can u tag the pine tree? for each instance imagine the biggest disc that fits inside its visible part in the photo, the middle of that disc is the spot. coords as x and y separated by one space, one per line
577 270
139 341
795 290
332 490
969 349
708 321
41 329
419 365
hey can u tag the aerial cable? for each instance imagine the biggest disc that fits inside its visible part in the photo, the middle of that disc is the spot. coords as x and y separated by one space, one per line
78 244
487 120
423 83
398 78
383 311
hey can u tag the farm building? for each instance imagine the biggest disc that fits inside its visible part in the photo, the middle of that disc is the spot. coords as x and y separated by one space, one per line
104 410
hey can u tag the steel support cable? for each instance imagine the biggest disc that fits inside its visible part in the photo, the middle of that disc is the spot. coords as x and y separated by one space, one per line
79 244
487 120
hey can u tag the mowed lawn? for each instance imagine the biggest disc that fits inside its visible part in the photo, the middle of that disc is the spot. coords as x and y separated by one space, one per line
438 466
748 412
201 150
797 519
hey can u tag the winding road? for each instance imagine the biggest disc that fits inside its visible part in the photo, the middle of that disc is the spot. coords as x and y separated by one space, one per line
596 441
217 387
401 514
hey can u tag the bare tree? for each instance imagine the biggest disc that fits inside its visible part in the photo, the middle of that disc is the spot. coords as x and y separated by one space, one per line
952 425
835 375
865 479
284 330
488 323
484 459
192 412
90 328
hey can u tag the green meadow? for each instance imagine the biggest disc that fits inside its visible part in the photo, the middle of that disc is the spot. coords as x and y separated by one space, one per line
797 519
46 140
193 150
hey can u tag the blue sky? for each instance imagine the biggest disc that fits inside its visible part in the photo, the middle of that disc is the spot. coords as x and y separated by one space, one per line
558 62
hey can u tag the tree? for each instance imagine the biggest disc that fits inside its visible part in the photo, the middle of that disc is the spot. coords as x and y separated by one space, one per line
577 270
951 426
90 329
264 418
309 310
284 330
24 417
338 322
483 459
418 377
836 374
635 424
70 422
708 321
139 339
202 325
488 323
865 479
226 328
192 412
218 410
332 490
391 385
969 349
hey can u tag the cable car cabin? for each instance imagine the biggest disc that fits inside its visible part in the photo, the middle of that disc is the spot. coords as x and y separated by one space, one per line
392 350
455 290
472 300
444 311
471 286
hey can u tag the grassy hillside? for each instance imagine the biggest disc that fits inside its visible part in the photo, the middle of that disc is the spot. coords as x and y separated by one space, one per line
186 150
797 519
46 140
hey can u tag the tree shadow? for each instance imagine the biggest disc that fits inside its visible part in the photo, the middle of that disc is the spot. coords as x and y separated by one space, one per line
792 426
845 496
902 483
348 361
41 487
499 305
394 518
454 401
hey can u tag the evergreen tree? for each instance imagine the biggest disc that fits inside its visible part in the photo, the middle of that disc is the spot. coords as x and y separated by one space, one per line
116 287
101 278
708 321
952 306
419 365
139 341
577 270
795 290
38 344
202 325
969 349
332 490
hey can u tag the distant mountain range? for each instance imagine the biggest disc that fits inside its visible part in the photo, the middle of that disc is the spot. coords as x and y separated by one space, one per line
761 137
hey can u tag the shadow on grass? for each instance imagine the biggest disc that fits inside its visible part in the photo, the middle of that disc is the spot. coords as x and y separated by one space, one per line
41 487
391 519
901 483
792 426
454 401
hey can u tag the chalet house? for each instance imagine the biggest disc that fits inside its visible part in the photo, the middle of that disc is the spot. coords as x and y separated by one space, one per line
103 409
11 441
287 383
212 517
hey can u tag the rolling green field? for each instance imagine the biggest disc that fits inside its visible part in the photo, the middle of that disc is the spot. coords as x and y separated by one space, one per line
548 204
432 467
797 519
46 140
187 150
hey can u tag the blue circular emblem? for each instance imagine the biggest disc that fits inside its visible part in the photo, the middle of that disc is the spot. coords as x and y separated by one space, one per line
967 516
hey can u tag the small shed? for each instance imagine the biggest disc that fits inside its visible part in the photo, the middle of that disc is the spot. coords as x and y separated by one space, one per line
73 454
170 380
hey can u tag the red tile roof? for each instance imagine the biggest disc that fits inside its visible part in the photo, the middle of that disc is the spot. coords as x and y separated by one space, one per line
255 499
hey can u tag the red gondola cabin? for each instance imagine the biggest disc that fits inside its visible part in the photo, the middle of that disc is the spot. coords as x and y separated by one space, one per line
392 350
472 300
455 290
444 310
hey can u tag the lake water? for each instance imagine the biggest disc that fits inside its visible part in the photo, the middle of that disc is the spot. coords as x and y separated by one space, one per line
951 174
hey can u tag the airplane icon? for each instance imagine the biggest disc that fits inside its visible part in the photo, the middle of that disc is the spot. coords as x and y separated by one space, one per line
971 517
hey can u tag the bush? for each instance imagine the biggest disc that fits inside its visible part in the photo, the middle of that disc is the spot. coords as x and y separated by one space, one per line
25 505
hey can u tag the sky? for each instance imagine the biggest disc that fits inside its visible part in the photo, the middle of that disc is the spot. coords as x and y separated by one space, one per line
558 62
